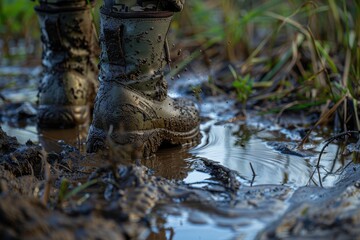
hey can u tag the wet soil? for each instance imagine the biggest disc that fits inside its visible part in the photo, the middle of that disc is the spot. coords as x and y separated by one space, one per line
246 178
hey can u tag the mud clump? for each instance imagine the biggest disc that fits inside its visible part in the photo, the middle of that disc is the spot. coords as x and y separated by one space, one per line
23 215
7 144
319 213
26 217
24 185
20 160
69 195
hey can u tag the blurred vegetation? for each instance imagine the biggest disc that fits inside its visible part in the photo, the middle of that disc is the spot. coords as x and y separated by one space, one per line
294 54
299 55
18 28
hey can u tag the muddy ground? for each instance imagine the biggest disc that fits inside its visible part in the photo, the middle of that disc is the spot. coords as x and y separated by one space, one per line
53 190
41 198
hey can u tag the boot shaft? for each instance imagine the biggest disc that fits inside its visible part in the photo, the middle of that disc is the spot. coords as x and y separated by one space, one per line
59 4
69 81
144 5
68 37
134 50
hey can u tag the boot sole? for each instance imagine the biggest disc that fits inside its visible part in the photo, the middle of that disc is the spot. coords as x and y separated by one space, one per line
146 141
50 116
157 137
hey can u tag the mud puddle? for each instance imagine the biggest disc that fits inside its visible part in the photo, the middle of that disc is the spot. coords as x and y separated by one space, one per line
261 154
266 151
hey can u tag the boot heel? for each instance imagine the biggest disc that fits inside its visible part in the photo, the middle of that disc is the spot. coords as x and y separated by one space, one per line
63 116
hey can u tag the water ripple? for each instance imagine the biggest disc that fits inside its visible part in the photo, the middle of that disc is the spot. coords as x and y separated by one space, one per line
234 147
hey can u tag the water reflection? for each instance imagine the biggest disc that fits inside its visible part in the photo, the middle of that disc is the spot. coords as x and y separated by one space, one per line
51 139
185 223
238 145
171 163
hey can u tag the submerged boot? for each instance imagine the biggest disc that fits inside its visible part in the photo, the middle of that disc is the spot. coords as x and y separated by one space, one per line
132 106
69 82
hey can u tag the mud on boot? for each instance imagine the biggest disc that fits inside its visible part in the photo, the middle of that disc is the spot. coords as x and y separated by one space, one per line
132 99
68 85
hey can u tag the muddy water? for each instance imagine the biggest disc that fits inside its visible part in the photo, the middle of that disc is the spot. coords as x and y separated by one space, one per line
263 154
235 145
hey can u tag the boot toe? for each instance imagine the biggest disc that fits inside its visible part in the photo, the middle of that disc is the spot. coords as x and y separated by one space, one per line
137 120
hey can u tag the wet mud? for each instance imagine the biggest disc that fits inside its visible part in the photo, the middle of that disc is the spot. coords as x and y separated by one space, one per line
245 179
121 194
320 213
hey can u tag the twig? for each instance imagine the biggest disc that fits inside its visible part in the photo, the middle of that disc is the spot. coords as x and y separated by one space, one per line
45 197
325 116
331 139
327 142
319 175
287 106
252 169
252 181
254 175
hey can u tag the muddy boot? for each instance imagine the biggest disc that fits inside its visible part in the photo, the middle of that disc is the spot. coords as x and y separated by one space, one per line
132 106
69 82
